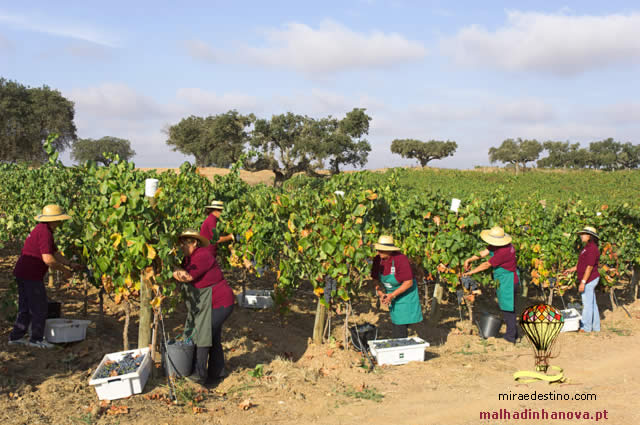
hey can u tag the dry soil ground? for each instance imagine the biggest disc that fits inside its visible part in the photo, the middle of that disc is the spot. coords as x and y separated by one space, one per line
307 384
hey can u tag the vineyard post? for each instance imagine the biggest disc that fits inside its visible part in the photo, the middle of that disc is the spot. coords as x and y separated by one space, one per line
127 316
635 280
85 305
154 339
435 305
525 286
144 326
614 305
318 325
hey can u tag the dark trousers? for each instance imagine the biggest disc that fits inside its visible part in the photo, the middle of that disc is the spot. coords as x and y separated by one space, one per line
213 354
399 331
32 309
509 317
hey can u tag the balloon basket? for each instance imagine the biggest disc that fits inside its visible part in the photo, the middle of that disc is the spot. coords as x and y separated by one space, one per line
525 376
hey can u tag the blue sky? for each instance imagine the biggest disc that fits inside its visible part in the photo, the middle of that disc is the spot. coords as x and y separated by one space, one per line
464 71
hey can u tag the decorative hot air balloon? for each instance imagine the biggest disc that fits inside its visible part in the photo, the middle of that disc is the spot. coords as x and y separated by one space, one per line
542 324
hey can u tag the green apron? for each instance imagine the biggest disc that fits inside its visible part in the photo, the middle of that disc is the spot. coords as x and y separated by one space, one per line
406 308
505 291
198 324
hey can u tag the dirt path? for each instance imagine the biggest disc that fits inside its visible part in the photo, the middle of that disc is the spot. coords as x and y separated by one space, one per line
454 389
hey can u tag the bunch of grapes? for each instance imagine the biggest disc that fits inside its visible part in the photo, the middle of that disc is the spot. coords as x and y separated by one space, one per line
393 343
330 285
128 364
469 284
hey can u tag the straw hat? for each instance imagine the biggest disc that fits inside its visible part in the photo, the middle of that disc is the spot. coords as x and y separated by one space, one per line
589 231
385 243
495 236
51 213
215 205
190 233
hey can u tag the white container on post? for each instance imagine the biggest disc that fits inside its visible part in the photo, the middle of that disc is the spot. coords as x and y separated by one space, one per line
455 204
150 187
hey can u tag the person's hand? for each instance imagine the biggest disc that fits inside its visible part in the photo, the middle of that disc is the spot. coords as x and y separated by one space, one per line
581 287
467 264
467 274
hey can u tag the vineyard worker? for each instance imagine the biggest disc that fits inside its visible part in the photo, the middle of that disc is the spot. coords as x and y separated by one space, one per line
214 211
589 276
209 303
505 271
392 270
39 253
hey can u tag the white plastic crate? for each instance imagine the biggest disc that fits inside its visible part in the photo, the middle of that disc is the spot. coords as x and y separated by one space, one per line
399 355
256 298
59 331
571 320
113 388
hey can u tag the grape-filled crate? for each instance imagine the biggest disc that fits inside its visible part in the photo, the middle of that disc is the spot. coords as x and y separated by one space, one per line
122 374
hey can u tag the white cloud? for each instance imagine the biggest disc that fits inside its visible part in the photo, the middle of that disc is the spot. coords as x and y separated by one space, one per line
116 101
330 48
624 113
201 51
526 111
86 50
557 44
57 27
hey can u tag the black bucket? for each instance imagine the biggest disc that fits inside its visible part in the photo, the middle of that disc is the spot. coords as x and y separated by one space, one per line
178 359
488 325
53 310
361 334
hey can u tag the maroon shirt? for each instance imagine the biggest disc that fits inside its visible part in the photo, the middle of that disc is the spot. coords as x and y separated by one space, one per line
30 265
589 256
383 267
205 271
206 230
505 257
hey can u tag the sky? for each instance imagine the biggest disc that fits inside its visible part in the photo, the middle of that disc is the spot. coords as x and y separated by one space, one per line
473 72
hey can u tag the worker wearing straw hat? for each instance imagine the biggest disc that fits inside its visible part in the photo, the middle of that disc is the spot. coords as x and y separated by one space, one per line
209 303
505 271
589 276
39 253
396 286
208 228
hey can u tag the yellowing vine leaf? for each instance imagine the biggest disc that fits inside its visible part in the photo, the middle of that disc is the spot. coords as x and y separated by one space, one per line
157 301
128 281
116 238
151 252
